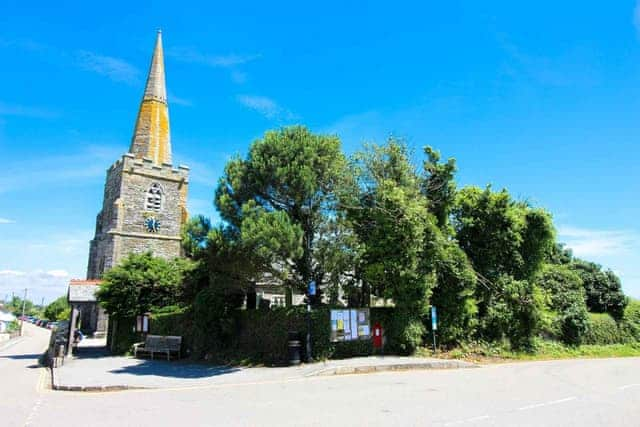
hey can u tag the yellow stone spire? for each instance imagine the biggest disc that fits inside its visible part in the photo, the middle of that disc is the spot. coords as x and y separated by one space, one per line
151 137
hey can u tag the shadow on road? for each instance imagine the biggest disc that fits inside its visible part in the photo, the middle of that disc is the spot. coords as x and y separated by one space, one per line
174 369
21 356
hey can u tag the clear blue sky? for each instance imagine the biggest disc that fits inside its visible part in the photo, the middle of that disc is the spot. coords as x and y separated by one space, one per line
542 99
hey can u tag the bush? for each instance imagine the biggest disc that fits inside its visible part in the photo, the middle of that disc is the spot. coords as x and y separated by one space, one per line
574 323
121 334
631 319
174 320
603 329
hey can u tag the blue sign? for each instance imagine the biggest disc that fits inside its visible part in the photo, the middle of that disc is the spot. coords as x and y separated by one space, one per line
312 288
434 319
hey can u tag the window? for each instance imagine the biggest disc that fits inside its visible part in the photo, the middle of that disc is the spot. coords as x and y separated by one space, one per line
154 198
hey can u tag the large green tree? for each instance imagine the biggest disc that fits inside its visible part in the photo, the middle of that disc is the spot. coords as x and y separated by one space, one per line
603 289
390 218
506 242
279 199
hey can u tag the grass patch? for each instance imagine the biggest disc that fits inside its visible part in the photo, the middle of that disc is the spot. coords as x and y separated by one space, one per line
543 350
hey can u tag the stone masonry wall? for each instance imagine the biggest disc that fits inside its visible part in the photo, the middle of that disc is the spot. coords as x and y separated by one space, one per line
120 226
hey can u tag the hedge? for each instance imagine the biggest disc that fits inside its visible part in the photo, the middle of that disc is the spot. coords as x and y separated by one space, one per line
261 336
603 329
121 330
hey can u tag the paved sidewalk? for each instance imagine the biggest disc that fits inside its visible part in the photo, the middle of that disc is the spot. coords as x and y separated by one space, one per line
103 372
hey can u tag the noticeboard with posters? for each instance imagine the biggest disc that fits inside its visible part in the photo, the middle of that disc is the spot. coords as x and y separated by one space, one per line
350 324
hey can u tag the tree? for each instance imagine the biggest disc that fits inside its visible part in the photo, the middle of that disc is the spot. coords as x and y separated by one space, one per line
603 289
278 200
30 309
565 292
439 186
454 292
58 310
142 283
194 236
390 219
506 242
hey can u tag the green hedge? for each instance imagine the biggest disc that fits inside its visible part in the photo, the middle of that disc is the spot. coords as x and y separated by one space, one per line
121 335
603 329
261 336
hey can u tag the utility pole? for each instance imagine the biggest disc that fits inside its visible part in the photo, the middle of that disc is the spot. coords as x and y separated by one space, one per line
24 301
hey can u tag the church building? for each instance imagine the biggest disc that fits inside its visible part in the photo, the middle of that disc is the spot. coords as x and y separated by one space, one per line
144 205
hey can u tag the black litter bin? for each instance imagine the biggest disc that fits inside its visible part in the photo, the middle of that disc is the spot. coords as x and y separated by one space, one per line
294 346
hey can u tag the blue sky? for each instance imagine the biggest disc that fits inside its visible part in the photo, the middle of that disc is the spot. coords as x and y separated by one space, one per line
543 100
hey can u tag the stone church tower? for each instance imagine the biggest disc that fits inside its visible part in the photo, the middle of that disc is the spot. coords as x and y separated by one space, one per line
145 196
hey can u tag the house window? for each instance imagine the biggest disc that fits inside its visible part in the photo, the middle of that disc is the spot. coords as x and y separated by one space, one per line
153 201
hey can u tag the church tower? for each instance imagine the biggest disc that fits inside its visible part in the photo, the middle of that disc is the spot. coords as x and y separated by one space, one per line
145 196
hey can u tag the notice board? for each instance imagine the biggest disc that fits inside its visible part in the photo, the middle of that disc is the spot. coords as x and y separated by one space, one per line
350 324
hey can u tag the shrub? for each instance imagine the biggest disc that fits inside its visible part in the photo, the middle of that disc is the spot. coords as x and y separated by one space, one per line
574 323
631 319
603 329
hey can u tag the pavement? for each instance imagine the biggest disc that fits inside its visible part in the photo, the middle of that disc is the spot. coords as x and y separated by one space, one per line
95 370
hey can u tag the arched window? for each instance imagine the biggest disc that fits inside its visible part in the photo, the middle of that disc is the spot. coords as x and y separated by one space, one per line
153 201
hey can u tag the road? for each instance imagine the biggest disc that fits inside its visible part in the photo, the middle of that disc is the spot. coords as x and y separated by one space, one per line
21 380
603 392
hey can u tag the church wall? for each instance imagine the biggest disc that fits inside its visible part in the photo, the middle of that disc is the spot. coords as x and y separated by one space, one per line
163 248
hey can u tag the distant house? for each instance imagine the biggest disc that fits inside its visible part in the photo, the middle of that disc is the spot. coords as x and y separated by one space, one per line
5 319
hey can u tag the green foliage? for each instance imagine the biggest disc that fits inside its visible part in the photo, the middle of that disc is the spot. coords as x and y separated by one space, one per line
564 294
453 295
506 241
514 313
58 309
215 312
391 220
279 197
121 334
438 185
194 236
500 235
30 309
631 318
603 329
603 289
142 283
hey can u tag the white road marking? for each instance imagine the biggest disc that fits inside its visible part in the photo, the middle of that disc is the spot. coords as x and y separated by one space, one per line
553 402
624 387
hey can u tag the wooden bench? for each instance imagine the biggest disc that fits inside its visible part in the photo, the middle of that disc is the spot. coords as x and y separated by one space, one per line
158 344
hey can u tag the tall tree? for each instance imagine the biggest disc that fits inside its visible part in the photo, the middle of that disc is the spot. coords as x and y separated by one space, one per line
390 218
603 289
506 242
280 197
439 185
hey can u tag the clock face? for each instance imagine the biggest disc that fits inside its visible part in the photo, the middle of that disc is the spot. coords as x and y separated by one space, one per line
151 224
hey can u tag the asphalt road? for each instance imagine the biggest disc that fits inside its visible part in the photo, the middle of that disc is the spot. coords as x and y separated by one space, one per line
603 392
21 379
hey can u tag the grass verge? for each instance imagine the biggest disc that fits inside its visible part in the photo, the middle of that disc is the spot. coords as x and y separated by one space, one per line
481 352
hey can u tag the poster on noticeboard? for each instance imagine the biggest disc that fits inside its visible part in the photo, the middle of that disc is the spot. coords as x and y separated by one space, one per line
350 324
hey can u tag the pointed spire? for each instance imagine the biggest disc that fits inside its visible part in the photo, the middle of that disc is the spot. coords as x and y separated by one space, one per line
151 137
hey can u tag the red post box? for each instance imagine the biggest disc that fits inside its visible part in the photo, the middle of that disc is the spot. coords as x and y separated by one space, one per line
377 335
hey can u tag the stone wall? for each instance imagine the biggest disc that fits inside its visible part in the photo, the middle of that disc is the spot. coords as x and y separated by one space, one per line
120 226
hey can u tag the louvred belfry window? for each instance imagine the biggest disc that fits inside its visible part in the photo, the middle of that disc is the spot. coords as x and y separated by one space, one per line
154 198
